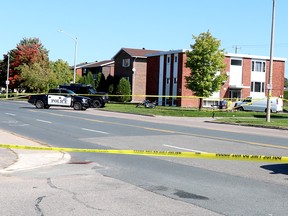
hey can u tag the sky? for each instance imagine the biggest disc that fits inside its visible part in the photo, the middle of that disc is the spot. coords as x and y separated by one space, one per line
103 27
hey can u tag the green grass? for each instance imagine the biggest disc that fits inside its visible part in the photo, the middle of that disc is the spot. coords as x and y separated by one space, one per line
277 120
280 121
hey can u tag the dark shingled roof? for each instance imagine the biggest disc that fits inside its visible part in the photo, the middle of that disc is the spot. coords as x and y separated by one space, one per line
95 64
140 53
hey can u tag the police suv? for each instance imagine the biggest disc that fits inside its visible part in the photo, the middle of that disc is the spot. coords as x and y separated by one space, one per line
59 97
98 99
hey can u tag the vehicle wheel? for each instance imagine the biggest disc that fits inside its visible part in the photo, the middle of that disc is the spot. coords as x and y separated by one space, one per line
240 109
39 104
266 111
96 104
77 106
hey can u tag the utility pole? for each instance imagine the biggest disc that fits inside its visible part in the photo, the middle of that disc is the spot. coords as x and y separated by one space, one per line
7 80
269 86
75 52
236 49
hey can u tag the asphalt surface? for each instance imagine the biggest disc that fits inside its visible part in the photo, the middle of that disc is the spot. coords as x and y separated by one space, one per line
14 159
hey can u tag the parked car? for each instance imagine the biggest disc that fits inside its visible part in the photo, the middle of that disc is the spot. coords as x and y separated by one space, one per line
98 99
60 97
259 104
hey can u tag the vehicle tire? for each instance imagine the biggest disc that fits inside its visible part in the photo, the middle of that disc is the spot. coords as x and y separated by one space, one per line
39 104
96 103
77 106
240 109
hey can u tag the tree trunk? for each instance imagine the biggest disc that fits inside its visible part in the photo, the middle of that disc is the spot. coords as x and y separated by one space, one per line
200 103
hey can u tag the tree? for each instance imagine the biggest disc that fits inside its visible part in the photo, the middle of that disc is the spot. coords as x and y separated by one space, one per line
36 78
27 52
101 87
90 79
205 60
82 80
285 82
110 82
124 90
62 72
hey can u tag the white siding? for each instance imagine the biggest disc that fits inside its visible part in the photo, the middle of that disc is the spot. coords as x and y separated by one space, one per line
167 82
175 78
160 84
235 78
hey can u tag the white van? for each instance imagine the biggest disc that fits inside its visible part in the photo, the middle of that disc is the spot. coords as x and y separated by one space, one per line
259 104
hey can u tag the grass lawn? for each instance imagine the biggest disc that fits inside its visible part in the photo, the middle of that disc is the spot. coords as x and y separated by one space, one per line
278 120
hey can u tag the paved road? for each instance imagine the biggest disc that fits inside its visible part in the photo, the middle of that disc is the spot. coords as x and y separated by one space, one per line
205 178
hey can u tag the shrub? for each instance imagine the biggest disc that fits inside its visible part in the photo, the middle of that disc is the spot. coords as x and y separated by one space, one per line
124 90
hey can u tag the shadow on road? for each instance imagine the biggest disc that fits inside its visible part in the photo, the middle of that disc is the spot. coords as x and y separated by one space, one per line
277 168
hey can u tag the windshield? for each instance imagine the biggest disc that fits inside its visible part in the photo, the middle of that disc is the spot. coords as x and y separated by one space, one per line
70 92
92 91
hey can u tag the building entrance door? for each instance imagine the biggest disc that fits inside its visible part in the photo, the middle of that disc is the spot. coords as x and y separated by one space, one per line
234 93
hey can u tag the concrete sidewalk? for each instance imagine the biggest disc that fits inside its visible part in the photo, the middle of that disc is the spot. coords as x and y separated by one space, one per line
17 159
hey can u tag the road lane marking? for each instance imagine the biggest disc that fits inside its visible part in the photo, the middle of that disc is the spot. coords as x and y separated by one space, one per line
182 133
96 131
11 114
40 120
185 149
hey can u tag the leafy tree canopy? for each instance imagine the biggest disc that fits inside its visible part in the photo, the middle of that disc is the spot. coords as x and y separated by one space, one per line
36 78
62 72
285 82
124 90
206 61
28 52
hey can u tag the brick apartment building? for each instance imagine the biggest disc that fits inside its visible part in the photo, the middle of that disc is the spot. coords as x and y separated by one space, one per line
106 67
132 64
247 76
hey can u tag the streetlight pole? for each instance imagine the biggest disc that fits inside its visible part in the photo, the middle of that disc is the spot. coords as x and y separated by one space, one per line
75 53
268 112
7 80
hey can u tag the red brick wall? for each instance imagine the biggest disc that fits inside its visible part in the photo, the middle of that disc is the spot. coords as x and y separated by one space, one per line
246 76
140 80
152 75
277 78
187 100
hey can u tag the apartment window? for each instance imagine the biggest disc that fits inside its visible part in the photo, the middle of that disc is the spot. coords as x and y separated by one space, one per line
168 60
257 86
126 63
258 66
236 62
176 59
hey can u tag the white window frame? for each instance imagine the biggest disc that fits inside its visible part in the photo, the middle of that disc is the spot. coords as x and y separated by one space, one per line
258 66
126 62
235 59
262 87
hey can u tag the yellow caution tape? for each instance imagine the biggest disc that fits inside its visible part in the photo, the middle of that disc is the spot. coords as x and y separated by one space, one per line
202 155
